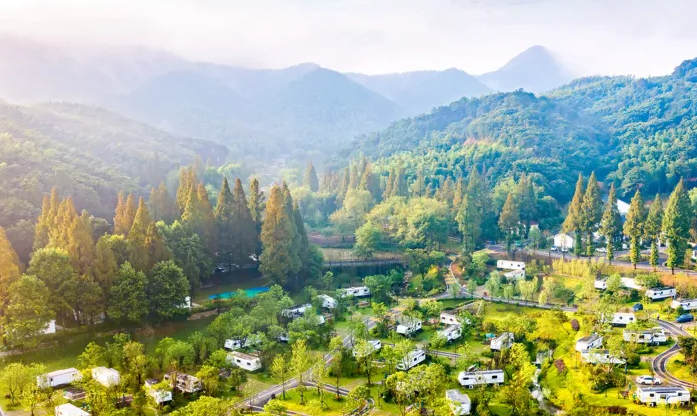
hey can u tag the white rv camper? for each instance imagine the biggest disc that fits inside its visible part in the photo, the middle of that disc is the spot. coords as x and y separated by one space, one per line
591 342
503 341
686 304
59 377
359 292
654 336
412 359
658 293
459 402
662 395
476 378
451 332
409 326
249 362
107 377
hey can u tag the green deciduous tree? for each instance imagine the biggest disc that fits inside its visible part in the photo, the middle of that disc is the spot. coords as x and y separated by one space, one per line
28 313
167 289
129 300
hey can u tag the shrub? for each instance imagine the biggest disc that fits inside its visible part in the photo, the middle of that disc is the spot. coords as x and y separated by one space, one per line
633 359
575 325
428 285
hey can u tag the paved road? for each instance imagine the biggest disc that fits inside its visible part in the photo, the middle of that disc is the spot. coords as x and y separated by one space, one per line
660 362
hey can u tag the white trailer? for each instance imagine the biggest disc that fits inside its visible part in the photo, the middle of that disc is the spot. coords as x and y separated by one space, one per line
600 284
686 304
662 395
476 378
451 332
408 327
247 362
600 357
591 342
328 302
296 311
459 402
449 319
107 377
59 378
510 265
359 291
159 395
503 341
653 336
623 319
658 293
411 360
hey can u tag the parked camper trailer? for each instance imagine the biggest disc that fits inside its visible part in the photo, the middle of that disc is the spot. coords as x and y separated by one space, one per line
184 383
503 341
247 362
622 319
412 359
662 395
600 284
159 395
658 293
451 332
107 377
409 326
69 409
358 292
59 377
475 378
600 357
328 302
449 319
591 342
686 304
296 311
510 265
654 336
459 402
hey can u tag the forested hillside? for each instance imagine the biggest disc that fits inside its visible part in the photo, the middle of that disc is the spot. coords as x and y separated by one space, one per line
638 133
89 153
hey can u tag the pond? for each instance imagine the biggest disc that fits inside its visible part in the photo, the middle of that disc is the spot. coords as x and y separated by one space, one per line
250 293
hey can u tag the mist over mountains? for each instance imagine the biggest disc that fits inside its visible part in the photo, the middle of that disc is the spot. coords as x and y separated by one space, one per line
300 110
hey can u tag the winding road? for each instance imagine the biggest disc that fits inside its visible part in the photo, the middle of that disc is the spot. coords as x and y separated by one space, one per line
660 362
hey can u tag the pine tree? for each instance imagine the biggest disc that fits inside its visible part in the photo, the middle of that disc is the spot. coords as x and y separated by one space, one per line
243 226
573 223
310 180
399 187
55 202
131 209
611 223
296 263
192 217
303 241
470 225
477 191
160 204
354 176
140 258
105 269
225 223
676 225
208 225
59 234
459 193
370 183
43 224
592 212
10 270
81 248
277 238
257 205
120 220
652 228
634 227
156 247
526 195
418 188
509 220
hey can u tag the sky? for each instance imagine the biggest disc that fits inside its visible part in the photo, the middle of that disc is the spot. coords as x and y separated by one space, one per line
639 37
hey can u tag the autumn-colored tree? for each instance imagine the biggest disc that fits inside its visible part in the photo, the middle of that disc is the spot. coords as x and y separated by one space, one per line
59 233
43 224
244 226
10 269
80 246
187 179
389 184
276 238
192 218
161 205
634 227
129 213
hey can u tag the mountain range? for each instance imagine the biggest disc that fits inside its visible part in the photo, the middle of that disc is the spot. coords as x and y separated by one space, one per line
304 111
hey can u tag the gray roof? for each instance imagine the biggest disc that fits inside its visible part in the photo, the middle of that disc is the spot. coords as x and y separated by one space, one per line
663 389
474 373
457 395
590 338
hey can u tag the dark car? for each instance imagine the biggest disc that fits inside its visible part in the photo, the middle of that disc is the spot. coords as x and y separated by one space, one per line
638 307
685 318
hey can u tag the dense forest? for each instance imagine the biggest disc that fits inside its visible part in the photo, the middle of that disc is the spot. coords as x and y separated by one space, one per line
638 133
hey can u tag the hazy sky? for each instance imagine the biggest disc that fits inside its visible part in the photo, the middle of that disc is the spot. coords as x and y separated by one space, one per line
642 37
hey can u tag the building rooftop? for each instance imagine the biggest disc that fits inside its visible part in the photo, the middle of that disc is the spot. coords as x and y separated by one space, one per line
474 373
457 396
661 389
61 372
244 356
590 338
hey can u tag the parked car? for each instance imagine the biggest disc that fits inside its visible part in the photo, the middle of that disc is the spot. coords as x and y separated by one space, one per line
648 380
685 318
564 250
554 248
601 250
638 307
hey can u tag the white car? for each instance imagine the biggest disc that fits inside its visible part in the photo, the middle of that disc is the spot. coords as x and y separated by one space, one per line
601 250
648 380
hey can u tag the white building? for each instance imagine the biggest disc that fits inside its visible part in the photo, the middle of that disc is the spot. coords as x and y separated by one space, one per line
409 326
449 319
50 327
459 402
653 336
657 293
475 378
686 304
510 265
328 302
249 362
503 341
451 332
562 240
629 283
623 208
59 377
296 311
662 395
600 357
412 359
590 342
69 409
107 377
623 319
185 383
600 284
160 395
359 291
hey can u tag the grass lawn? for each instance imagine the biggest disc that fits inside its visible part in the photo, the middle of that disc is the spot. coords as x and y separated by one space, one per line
677 368
333 407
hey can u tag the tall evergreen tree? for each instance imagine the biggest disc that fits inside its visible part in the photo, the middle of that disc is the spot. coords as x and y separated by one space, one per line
244 228
611 223
676 225
208 225
105 268
389 185
55 202
296 263
43 225
418 188
225 222
634 227
477 191
131 208
140 258
459 193
59 235
160 204
652 228
187 179
573 223
469 223
156 246
526 195
509 220
192 218
120 218
370 183
257 205
354 176
310 179
592 212
10 270
277 238
81 248
399 187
